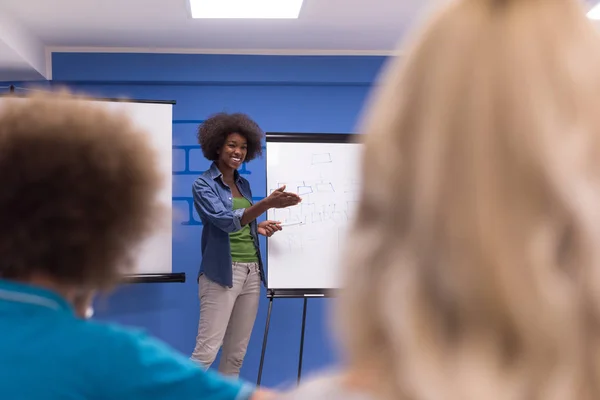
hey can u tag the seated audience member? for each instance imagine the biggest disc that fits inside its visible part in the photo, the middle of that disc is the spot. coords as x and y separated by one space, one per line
472 269
78 194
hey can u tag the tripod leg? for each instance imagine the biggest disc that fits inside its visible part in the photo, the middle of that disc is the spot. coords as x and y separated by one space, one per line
264 345
302 339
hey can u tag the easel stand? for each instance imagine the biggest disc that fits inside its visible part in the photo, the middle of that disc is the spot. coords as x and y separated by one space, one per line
289 294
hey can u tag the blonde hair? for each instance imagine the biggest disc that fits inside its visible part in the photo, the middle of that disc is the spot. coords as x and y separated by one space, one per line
473 261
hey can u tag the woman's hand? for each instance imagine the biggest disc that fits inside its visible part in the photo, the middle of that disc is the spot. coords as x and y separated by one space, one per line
278 199
268 228
281 199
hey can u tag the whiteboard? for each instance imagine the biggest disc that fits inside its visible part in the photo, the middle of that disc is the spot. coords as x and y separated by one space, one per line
322 169
156 119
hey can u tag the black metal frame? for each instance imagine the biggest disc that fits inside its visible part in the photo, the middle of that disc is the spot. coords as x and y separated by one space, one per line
11 91
283 137
303 293
175 277
290 294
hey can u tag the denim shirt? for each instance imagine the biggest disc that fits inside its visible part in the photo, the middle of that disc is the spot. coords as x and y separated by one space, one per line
214 204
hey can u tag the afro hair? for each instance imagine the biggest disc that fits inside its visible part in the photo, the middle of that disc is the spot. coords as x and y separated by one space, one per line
213 133
79 186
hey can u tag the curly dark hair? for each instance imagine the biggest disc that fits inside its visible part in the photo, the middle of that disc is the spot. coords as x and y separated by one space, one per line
79 186
213 132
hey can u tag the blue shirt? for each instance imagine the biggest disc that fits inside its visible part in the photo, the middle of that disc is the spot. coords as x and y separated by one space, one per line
47 352
213 201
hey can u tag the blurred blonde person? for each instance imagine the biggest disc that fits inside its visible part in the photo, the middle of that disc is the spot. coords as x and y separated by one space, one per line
472 267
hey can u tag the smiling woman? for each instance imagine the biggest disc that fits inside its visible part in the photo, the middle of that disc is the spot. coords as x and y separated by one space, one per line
231 270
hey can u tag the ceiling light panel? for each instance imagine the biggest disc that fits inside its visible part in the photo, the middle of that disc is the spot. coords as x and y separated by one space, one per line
257 9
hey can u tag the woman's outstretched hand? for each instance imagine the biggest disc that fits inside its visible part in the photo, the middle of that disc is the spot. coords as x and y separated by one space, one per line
281 199
268 228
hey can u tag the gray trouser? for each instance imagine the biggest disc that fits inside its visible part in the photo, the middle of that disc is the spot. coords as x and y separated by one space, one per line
227 317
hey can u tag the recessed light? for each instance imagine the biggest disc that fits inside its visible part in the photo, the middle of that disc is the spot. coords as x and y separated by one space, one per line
259 9
594 13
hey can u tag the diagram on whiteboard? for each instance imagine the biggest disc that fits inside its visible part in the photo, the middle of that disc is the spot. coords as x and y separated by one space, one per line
325 176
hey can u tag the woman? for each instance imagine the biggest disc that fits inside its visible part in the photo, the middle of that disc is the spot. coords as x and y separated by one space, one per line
231 270
79 195
473 264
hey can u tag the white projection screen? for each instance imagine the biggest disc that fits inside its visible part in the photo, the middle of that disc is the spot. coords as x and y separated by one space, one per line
156 119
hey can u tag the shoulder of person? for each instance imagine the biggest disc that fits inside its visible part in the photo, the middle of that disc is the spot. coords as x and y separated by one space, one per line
204 182
112 340
130 362
204 177
118 352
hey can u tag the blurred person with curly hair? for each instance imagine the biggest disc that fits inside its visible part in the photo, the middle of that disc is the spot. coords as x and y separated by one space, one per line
231 269
79 195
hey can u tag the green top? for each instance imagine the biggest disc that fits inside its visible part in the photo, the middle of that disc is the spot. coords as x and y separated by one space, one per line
241 242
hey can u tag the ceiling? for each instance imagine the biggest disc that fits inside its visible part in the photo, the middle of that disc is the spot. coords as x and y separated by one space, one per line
324 27
31 29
